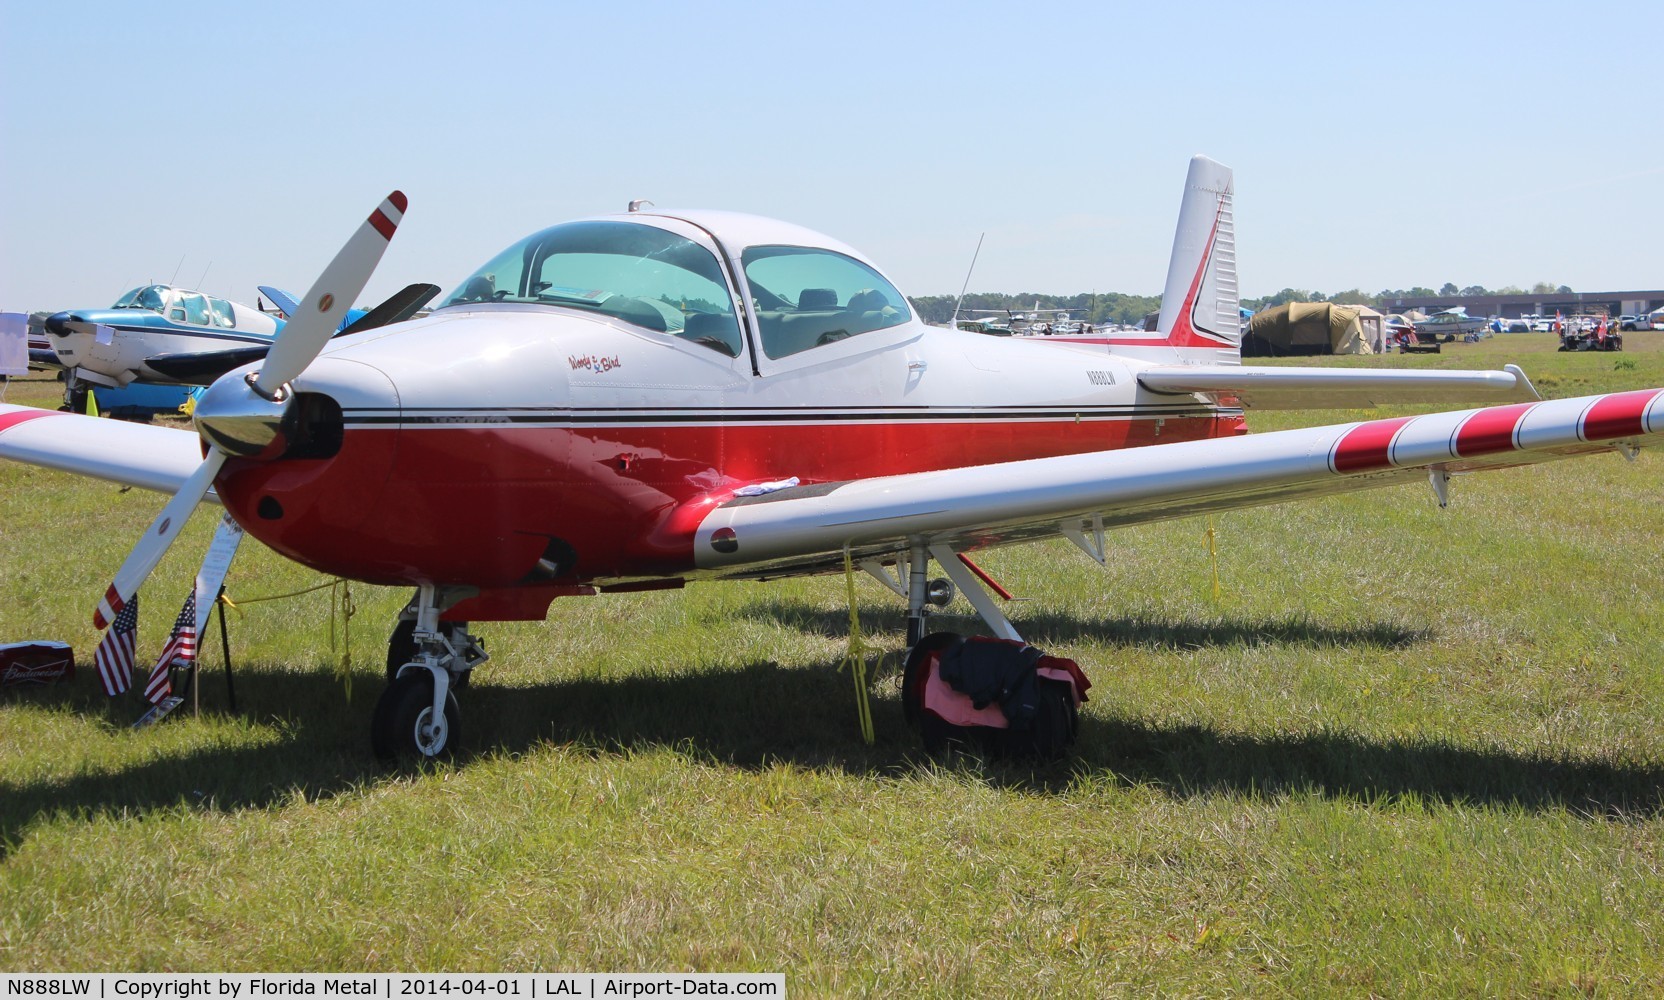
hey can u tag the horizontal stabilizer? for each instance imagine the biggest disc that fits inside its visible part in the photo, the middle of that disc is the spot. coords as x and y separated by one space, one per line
398 307
1339 388
281 299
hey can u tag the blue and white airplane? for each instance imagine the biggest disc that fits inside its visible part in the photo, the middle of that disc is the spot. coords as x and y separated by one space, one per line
175 336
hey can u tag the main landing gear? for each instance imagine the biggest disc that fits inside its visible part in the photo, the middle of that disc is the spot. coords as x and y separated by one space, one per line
999 697
417 716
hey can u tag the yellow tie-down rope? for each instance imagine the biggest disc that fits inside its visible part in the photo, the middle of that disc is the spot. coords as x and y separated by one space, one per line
856 658
1213 556
340 596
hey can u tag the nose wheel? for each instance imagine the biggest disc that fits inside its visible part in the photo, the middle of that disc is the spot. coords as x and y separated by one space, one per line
416 718
405 726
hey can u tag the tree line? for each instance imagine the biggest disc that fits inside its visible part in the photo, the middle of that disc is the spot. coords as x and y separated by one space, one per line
1119 307
1088 307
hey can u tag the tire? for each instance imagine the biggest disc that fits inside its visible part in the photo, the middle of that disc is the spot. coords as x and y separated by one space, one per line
401 648
1055 723
398 729
912 678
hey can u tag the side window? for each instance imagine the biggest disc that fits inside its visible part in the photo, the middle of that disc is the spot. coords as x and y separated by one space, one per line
189 307
223 314
807 298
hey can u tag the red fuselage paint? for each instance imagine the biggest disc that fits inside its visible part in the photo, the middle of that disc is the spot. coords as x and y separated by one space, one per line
481 504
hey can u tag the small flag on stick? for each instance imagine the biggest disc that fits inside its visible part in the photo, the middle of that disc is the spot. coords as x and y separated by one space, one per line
180 651
114 656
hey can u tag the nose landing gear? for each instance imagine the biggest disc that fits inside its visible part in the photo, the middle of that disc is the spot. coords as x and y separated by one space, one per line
417 717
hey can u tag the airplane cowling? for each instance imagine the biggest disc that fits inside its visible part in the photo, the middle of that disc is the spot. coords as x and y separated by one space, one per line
314 495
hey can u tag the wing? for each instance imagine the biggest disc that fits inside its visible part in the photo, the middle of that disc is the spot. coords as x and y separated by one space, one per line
1338 388
204 367
150 457
806 529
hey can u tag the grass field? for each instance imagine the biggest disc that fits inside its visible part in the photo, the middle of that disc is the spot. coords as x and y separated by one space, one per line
1407 752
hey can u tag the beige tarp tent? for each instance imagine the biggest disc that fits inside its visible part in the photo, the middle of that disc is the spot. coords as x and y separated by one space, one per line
1308 328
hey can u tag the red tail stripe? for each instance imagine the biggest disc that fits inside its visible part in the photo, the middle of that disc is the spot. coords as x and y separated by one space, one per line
112 597
1366 446
1491 430
1618 415
1184 334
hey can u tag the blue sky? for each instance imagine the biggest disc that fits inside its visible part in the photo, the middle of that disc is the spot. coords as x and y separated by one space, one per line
1374 145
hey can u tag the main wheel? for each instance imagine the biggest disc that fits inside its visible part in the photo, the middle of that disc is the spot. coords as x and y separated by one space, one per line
933 732
1055 722
403 726
401 649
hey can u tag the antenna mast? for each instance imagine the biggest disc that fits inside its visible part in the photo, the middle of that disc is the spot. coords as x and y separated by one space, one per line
954 322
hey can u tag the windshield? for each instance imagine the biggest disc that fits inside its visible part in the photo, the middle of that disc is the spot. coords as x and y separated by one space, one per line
640 274
807 297
152 297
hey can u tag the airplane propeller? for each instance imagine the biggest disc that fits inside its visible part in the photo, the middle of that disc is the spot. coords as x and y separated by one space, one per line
302 339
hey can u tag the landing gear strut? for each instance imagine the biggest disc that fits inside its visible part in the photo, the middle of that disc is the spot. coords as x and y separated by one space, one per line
417 718
945 717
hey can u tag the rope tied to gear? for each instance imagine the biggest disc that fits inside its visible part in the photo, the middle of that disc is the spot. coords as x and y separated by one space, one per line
1213 556
856 658
340 602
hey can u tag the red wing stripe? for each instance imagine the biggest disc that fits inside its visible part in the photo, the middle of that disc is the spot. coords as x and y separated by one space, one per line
10 420
1491 430
1619 415
1366 446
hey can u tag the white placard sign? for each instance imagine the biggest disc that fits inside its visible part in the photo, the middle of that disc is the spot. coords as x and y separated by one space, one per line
214 567
14 343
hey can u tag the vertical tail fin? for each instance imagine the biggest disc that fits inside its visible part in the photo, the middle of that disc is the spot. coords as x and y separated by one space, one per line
1200 316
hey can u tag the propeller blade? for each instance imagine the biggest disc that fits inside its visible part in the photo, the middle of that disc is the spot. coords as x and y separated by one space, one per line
322 308
157 538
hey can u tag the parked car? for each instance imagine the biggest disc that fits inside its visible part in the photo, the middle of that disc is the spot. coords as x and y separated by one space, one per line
1577 339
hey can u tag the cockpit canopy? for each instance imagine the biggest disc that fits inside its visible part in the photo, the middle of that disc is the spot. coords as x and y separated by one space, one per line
801 297
180 305
642 275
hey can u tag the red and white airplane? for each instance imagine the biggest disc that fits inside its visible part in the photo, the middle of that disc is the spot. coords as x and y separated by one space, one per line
639 401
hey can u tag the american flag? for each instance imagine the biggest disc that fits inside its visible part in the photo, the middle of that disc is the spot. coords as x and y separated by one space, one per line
180 650
114 656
